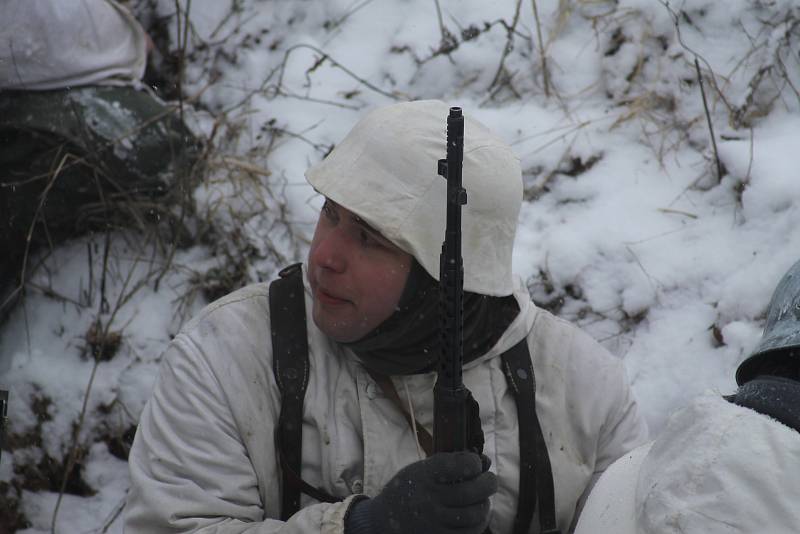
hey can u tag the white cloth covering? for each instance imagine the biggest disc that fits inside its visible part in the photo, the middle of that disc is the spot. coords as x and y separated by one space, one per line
385 171
56 44
717 468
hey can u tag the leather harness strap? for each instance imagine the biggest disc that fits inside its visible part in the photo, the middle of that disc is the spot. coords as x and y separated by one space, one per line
535 473
291 369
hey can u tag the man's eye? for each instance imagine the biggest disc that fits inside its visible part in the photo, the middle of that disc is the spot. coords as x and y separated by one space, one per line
366 239
328 210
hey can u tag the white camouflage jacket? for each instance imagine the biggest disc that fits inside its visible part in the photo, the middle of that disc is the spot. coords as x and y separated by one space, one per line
204 457
717 468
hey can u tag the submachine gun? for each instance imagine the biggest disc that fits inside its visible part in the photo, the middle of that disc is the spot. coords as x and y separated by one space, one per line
456 423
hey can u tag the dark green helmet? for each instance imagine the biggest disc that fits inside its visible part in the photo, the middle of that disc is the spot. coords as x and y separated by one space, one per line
780 343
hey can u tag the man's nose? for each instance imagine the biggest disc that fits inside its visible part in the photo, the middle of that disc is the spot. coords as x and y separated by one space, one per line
331 251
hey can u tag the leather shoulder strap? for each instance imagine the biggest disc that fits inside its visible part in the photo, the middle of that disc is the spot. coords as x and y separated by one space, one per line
291 368
535 472
287 314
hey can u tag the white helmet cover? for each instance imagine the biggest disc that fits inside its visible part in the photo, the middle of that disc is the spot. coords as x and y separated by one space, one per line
385 171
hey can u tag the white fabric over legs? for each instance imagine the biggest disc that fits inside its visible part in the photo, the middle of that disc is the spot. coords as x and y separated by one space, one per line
56 44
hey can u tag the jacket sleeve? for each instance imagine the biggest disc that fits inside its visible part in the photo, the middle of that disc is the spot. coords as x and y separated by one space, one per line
592 403
190 469
622 427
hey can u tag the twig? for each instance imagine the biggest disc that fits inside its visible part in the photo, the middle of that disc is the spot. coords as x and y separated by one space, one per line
89 293
111 518
180 58
712 77
750 162
678 212
115 513
38 214
73 455
342 105
52 293
449 42
317 146
225 19
509 45
103 300
558 138
72 458
123 298
542 55
23 270
441 21
246 166
338 22
654 282
183 38
446 47
708 119
335 64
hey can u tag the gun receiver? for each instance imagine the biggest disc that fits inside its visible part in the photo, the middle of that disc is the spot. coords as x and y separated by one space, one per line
450 395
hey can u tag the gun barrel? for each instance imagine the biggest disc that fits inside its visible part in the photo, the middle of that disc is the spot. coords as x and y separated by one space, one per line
450 427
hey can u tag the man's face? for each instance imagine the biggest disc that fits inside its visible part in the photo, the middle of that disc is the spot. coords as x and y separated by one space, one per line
356 275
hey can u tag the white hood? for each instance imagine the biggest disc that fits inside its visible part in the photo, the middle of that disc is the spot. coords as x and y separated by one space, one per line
385 171
717 468
53 44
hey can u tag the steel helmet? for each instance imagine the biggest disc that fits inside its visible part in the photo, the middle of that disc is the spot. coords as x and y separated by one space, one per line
781 338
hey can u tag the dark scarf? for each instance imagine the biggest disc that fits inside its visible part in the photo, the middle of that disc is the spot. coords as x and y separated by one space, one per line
408 342
775 396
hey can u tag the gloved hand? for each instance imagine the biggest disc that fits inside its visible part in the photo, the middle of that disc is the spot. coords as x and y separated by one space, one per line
446 493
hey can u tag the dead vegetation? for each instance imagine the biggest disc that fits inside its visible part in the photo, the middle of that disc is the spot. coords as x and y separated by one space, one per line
11 517
688 111
133 245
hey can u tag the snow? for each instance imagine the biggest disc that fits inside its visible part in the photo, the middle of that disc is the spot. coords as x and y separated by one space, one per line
626 229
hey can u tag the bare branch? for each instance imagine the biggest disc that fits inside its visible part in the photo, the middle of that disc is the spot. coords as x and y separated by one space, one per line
542 55
708 120
335 63
510 31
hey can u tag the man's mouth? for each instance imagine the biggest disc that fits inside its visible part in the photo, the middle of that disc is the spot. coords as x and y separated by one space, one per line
329 299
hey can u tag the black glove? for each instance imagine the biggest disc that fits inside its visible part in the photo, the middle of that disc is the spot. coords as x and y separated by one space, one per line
447 493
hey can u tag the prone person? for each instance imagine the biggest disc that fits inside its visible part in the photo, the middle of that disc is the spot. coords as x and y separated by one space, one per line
723 464
84 144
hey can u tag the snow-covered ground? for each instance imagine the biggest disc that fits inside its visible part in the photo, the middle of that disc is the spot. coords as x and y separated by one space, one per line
627 228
